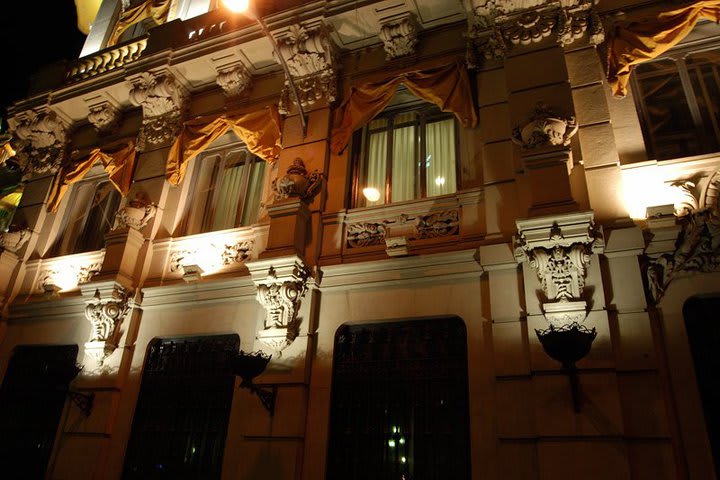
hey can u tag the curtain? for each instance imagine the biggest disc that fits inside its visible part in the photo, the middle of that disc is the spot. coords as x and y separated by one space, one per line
377 165
156 9
260 130
635 42
440 161
119 164
448 87
404 160
228 199
254 192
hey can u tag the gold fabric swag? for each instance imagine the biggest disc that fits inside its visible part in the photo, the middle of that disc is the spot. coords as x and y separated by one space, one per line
260 130
635 42
119 163
448 87
156 9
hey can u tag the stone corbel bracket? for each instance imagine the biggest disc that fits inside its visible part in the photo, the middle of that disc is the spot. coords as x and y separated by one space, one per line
545 129
43 137
312 60
136 214
399 34
163 100
103 114
281 284
297 182
106 311
559 249
12 241
235 79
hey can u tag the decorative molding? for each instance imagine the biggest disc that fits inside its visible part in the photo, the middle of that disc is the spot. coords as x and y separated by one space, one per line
43 141
163 100
311 57
399 35
105 315
412 227
12 241
688 201
234 80
365 234
531 27
545 128
104 117
440 224
79 275
222 255
136 214
711 197
297 182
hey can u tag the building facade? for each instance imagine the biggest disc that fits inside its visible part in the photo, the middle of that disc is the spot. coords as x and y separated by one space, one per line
466 255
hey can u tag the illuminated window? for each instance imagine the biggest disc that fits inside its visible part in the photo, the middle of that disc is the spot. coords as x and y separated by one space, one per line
407 152
400 402
678 99
32 398
227 188
182 411
90 214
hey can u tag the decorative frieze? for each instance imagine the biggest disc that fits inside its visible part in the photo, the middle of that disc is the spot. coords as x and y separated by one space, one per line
365 234
234 80
545 128
43 141
412 227
297 182
163 101
63 277
210 256
136 214
399 35
105 315
104 117
311 58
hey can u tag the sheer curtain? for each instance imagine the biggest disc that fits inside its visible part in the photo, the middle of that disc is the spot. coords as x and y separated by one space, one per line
254 192
202 194
404 164
377 166
440 161
228 198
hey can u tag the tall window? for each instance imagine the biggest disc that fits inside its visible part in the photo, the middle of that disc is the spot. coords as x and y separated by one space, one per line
32 398
678 99
406 153
227 183
182 412
90 215
400 402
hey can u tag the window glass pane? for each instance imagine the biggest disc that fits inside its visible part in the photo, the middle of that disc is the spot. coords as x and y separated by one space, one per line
76 213
703 71
378 123
404 165
668 124
99 219
203 182
440 157
229 193
376 169
254 192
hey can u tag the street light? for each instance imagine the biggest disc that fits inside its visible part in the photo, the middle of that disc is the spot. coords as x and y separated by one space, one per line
243 7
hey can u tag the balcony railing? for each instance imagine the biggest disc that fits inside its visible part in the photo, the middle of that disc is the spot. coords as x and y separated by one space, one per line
106 60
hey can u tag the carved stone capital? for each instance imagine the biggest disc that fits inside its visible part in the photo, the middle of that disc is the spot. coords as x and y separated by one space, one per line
43 140
163 101
545 129
399 35
104 117
106 314
234 80
135 214
297 182
311 57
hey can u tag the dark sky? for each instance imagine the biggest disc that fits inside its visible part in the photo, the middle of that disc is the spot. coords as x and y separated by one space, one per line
33 34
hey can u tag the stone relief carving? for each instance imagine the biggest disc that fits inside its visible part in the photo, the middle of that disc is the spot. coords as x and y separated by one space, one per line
163 100
136 214
399 36
545 128
227 254
297 182
281 299
105 316
529 28
237 252
234 80
104 117
365 234
12 241
439 224
311 57
43 141
434 225
81 274
688 201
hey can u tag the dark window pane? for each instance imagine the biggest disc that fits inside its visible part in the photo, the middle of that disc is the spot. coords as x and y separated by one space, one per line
183 408
100 218
32 398
399 402
703 70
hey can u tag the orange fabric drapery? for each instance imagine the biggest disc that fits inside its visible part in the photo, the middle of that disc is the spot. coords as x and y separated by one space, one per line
448 87
119 165
156 9
635 42
260 130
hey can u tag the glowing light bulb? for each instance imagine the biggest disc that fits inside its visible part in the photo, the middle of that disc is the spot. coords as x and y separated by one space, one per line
237 6
372 194
439 181
391 443
403 460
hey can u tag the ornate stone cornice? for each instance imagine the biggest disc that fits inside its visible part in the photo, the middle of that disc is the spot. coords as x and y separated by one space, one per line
43 140
399 35
135 214
104 117
297 182
163 100
106 314
234 79
311 57
545 128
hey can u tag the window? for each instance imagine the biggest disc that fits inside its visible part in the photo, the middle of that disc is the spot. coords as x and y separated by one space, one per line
407 152
182 412
32 398
90 215
400 402
227 183
678 98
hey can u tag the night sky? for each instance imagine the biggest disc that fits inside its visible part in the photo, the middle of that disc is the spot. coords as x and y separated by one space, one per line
28 43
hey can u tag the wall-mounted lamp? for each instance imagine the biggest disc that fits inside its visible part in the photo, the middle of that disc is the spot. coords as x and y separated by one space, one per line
244 7
248 366
568 344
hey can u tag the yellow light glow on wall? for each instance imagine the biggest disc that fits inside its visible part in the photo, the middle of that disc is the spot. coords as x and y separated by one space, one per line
645 187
